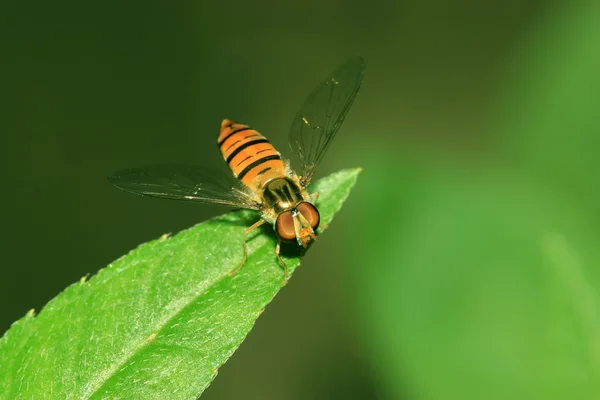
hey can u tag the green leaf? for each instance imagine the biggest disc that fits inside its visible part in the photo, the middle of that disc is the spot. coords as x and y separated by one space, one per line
158 322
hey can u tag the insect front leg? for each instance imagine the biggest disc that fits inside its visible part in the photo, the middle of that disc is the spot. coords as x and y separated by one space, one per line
314 197
248 230
285 270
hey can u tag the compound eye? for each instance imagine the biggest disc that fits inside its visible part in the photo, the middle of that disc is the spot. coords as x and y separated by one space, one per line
311 214
284 226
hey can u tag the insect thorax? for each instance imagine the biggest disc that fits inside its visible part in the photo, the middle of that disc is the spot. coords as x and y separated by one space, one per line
281 194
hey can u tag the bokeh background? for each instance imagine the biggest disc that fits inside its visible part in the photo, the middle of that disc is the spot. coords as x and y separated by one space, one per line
465 264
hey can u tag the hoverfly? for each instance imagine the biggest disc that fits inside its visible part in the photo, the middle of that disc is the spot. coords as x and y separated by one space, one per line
263 180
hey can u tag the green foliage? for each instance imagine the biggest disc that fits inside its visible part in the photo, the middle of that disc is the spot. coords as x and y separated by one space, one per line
550 117
490 291
158 322
488 277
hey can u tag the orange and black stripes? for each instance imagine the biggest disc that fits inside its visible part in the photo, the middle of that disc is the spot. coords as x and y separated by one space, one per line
251 157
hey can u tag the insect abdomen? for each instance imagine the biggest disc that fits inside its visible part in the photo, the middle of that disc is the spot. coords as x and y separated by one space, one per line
251 157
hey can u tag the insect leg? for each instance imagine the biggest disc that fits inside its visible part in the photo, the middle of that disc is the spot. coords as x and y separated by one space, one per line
285 270
248 230
314 197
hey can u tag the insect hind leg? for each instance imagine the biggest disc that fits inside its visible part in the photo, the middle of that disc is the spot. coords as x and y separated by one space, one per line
248 230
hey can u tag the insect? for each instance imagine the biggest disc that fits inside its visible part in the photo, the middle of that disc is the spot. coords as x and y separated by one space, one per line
264 181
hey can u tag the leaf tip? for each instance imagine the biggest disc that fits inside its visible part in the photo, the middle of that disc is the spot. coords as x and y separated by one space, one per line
353 172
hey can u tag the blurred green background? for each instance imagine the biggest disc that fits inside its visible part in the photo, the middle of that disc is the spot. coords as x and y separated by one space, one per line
465 264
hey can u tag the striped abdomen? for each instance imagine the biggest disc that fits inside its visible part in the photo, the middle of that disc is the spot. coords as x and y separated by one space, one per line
249 154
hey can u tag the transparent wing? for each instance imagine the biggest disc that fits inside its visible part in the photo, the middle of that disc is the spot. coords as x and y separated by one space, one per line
322 114
184 182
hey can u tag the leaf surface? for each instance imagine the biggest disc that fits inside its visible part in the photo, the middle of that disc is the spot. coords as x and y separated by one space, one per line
158 322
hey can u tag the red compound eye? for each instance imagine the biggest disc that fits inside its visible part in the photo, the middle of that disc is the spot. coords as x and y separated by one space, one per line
311 214
284 227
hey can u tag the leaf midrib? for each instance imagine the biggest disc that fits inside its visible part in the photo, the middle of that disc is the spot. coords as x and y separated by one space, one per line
114 370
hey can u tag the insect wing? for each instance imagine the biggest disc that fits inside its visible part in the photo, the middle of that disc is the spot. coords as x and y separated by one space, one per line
184 182
322 114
